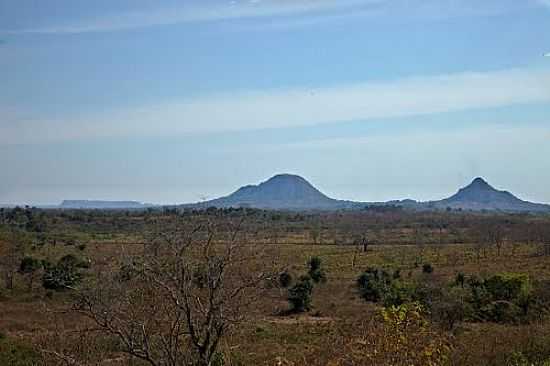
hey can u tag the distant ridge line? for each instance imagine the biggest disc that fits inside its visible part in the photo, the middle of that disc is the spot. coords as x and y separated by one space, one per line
294 193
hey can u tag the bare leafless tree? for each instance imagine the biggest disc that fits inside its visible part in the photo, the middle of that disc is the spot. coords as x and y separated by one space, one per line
173 306
495 236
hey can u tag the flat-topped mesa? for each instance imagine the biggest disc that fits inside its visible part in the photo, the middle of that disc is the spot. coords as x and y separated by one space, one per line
89 204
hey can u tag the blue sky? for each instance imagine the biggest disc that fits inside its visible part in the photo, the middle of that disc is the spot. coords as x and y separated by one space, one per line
171 101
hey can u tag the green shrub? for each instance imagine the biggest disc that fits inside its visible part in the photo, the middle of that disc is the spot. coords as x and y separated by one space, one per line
379 286
299 295
504 297
29 265
285 279
427 268
316 273
508 287
370 285
218 359
63 275
501 312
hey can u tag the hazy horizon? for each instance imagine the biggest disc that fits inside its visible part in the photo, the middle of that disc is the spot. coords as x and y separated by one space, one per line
369 100
205 197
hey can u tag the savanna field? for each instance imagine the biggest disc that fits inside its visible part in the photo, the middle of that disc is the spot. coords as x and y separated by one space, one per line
249 287
274 183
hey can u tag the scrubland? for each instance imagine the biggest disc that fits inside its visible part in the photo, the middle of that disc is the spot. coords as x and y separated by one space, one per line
373 287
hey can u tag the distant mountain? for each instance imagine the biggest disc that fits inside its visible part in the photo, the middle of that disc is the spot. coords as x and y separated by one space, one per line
479 195
292 192
103 205
281 192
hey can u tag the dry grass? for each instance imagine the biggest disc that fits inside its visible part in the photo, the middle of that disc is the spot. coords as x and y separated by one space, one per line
338 314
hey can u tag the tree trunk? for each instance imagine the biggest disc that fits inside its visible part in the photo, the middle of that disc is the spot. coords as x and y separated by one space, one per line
8 279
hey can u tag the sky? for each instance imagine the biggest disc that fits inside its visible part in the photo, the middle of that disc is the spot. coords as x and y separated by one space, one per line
167 101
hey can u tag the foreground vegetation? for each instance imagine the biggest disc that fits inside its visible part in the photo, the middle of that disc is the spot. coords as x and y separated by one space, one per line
248 287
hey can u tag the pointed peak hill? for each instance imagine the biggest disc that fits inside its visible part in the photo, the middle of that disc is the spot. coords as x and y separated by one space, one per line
481 191
480 183
292 192
480 195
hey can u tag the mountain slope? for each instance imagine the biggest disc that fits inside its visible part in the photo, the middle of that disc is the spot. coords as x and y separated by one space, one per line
479 195
283 191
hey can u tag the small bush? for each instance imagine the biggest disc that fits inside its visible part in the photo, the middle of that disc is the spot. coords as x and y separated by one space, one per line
299 295
29 265
370 285
379 286
285 279
508 286
427 268
450 308
63 275
403 337
503 297
315 272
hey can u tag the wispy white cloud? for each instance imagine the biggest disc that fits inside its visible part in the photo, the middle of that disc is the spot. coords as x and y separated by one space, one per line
490 137
190 13
305 12
294 107
305 21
